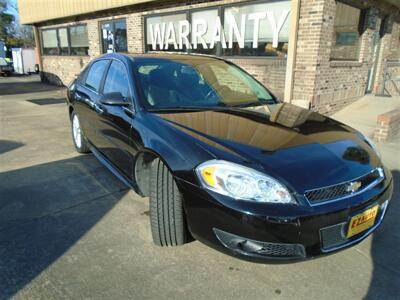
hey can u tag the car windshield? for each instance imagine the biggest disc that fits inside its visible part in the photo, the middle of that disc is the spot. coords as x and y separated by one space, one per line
198 83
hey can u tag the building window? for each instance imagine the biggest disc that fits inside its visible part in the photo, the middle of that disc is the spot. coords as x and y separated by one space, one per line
72 40
63 41
167 32
79 40
204 21
113 36
257 29
346 37
260 29
50 42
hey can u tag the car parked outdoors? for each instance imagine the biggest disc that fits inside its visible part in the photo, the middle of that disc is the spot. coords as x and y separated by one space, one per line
6 68
223 161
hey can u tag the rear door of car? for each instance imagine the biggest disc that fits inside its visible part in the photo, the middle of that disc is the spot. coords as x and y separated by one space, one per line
113 123
87 98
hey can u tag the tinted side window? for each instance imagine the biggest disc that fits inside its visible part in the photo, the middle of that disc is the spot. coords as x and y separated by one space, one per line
117 79
95 74
82 75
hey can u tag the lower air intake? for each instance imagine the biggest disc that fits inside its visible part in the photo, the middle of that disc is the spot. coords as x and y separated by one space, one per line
257 248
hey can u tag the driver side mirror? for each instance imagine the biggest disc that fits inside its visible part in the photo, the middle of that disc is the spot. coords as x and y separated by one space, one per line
114 99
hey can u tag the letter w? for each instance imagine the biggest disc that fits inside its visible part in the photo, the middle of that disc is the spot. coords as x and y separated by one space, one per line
157 35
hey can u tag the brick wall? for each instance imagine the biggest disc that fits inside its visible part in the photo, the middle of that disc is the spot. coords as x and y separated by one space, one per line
271 72
326 84
388 126
60 70
330 85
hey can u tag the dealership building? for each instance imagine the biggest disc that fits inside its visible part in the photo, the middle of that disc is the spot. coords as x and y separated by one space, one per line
319 54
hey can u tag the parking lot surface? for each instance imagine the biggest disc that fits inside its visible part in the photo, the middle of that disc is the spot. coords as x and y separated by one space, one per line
70 229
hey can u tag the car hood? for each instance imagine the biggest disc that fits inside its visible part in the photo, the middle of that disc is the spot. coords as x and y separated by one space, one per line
303 148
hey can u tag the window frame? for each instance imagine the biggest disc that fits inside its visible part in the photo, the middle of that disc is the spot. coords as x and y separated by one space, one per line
58 40
112 21
221 13
360 29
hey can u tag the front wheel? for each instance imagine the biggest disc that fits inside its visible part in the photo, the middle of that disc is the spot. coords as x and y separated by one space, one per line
80 142
167 219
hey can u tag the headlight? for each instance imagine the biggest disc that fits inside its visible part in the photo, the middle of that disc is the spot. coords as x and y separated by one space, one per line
373 146
243 183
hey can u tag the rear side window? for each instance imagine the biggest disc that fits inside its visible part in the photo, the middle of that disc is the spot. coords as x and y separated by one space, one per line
93 79
117 80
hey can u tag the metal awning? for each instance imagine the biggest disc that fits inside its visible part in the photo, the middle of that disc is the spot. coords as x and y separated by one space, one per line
36 11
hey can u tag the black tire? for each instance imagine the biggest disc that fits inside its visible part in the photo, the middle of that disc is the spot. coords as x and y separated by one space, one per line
168 225
83 146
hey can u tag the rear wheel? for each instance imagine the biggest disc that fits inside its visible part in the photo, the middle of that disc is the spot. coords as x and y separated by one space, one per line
167 219
80 142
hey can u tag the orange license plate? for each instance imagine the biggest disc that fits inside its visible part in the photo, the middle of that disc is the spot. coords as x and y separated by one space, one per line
362 221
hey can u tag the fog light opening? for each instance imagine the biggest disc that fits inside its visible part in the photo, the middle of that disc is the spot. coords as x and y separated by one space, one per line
251 247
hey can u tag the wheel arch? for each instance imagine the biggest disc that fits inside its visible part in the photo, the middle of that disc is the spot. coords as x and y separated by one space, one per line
153 148
70 110
142 169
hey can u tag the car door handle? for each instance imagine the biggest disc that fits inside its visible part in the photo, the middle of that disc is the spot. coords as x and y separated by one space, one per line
79 97
98 108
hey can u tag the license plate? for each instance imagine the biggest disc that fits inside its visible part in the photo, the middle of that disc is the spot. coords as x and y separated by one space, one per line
362 221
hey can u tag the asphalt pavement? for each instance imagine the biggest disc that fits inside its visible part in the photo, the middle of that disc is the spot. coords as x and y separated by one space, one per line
69 229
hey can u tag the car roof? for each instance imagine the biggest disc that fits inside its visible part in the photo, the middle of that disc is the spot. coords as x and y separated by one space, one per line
172 56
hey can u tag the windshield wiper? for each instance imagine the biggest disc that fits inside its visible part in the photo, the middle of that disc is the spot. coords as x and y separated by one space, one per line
219 106
254 103
187 108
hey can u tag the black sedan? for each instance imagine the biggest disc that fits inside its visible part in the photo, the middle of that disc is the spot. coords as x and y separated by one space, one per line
223 161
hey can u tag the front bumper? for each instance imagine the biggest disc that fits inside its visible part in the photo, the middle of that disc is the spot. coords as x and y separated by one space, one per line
271 232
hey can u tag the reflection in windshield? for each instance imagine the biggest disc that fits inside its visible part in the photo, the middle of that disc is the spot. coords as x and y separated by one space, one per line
198 83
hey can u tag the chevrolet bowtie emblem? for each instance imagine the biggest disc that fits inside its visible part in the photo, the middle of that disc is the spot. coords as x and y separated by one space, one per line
353 187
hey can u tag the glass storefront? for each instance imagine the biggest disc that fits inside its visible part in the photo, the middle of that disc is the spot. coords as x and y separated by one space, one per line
162 32
251 29
261 21
206 20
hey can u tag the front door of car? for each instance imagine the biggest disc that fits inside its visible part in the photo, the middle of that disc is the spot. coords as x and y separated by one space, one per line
114 121
86 96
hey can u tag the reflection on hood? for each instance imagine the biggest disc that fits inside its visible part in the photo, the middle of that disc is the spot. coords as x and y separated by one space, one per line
267 127
307 149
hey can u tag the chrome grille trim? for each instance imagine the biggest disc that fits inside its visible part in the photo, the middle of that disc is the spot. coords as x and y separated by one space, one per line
337 192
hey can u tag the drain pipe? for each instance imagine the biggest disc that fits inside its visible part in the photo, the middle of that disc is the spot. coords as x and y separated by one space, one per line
38 45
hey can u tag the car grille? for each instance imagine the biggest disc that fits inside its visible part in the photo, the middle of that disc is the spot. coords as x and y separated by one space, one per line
345 189
334 237
280 250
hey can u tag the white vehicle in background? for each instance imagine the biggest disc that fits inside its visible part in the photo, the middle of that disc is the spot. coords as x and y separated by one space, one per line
24 60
